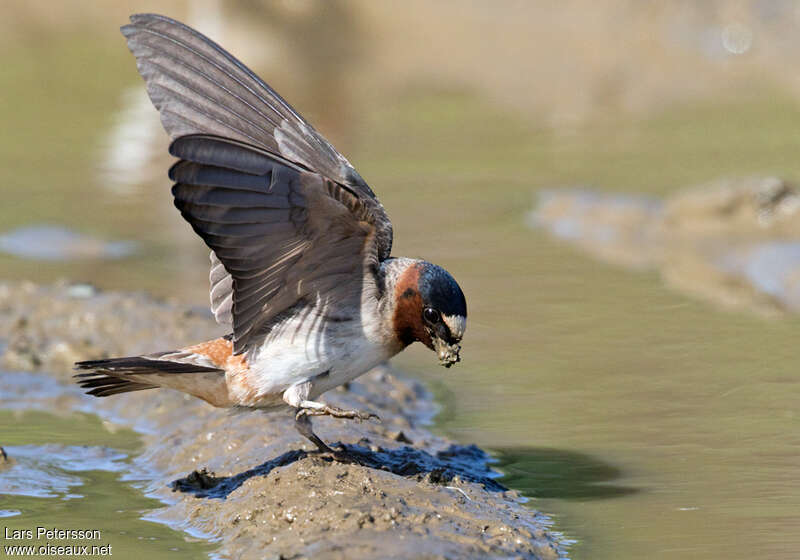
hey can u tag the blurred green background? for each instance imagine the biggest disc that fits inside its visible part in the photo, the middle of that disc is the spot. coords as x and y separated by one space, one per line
652 412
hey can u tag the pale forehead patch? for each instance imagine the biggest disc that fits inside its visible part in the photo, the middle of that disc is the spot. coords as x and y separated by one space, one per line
456 323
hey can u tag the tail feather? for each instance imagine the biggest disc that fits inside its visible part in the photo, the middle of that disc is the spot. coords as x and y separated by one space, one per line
123 375
104 385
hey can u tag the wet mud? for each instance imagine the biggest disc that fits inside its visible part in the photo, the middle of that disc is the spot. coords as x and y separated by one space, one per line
733 242
248 480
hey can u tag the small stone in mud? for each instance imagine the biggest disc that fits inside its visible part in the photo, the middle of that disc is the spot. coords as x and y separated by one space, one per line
439 476
401 437
196 480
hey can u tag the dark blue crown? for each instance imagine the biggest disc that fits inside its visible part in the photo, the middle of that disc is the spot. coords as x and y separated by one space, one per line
440 291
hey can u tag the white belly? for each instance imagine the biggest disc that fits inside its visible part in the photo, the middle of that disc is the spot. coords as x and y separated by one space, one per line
326 353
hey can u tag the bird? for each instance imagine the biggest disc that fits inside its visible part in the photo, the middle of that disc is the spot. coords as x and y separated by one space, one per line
301 264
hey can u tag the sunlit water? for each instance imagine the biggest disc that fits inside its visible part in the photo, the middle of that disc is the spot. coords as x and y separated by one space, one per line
73 471
651 423
50 243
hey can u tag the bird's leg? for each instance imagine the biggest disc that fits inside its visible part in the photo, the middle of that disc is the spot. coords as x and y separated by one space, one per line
296 396
303 424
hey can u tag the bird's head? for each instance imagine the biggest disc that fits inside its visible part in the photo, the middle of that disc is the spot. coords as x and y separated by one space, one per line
430 308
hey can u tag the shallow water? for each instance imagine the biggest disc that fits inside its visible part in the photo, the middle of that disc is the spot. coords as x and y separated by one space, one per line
51 243
649 421
71 471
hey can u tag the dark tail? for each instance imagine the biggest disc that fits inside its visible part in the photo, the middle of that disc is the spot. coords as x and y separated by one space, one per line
122 375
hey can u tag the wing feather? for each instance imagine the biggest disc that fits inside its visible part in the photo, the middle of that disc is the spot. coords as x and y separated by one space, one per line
302 239
200 88
286 216
221 291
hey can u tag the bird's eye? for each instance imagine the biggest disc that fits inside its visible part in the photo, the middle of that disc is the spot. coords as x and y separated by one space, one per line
431 315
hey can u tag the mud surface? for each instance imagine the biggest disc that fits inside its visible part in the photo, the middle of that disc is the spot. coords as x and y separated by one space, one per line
733 242
247 479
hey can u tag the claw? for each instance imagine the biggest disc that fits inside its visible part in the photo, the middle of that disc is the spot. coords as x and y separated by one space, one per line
327 410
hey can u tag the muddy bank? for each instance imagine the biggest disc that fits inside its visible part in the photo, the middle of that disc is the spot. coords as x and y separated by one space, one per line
249 480
733 242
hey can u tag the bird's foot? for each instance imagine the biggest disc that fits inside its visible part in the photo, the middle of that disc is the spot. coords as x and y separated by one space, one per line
342 455
302 421
327 410
339 454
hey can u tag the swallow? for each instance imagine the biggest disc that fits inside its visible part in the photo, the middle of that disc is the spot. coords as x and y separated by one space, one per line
301 265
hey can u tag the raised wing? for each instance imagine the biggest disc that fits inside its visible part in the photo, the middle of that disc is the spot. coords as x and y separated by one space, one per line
288 237
199 88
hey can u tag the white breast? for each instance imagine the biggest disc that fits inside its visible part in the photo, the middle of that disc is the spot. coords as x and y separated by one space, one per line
326 351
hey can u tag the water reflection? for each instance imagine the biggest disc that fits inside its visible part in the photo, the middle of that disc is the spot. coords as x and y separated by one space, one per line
48 471
67 470
542 472
53 243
